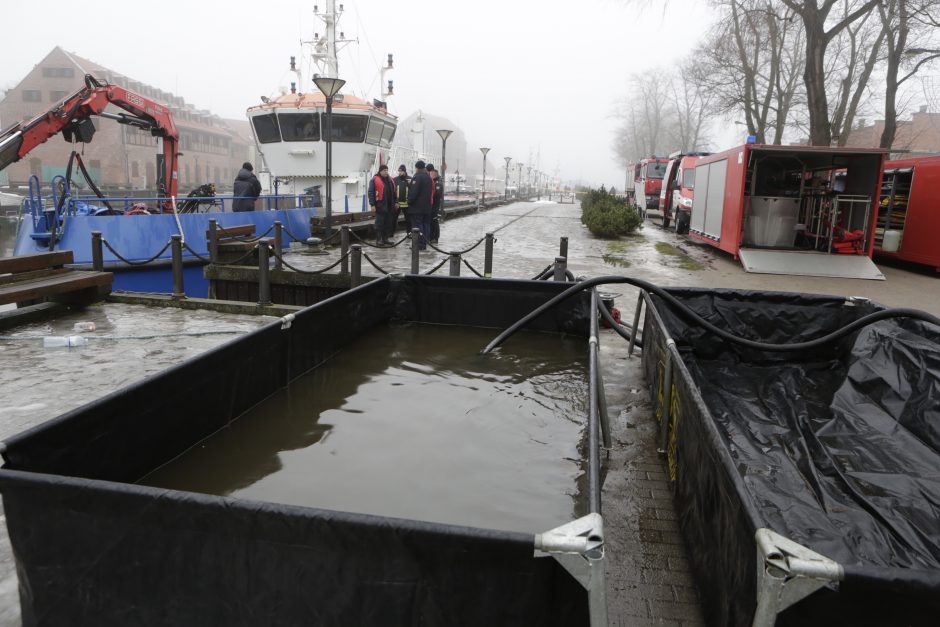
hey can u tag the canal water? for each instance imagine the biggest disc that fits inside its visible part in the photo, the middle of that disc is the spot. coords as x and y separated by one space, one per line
411 421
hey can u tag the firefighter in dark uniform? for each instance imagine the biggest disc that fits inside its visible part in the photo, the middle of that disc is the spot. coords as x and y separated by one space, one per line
382 201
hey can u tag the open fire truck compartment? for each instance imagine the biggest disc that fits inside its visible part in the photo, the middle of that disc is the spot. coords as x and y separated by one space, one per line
791 209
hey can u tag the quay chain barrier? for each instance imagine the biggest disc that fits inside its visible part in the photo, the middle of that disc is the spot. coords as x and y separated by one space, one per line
691 316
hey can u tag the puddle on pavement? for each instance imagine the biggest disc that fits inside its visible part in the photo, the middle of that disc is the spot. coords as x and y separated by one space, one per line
411 421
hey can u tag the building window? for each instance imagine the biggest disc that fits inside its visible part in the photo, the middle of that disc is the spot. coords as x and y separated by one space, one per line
186 176
56 96
58 72
32 95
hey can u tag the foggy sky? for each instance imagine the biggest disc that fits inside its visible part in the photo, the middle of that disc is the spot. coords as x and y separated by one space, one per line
517 76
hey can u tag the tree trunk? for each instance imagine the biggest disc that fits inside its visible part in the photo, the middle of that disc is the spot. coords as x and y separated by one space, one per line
820 133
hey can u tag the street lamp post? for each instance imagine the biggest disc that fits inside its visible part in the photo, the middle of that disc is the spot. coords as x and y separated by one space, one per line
483 190
520 167
330 87
506 189
444 133
528 181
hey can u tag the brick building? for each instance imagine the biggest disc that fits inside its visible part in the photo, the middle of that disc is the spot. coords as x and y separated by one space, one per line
918 136
121 157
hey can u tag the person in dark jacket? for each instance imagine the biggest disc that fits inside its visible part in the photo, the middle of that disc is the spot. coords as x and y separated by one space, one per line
402 182
382 201
436 203
420 197
246 189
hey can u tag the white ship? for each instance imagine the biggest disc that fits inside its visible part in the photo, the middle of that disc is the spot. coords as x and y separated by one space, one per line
290 130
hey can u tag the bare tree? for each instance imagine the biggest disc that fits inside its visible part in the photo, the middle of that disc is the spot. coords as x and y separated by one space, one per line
815 17
908 25
644 117
691 104
858 50
750 62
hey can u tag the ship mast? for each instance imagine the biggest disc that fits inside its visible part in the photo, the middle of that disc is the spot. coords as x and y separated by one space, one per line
326 49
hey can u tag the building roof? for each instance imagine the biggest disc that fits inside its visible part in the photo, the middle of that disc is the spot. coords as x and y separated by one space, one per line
919 135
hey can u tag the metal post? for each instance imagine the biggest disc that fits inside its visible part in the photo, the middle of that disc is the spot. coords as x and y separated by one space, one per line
561 264
454 264
328 227
636 322
355 278
344 249
506 186
563 248
264 274
97 253
278 245
176 247
488 256
415 242
667 399
213 241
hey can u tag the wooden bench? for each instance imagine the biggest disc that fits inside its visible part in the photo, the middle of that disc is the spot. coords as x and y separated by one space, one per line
358 221
229 243
40 277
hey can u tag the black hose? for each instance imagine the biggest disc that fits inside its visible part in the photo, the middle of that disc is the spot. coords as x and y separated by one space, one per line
623 330
694 318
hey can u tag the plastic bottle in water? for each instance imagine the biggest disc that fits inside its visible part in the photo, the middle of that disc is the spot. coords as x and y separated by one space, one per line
83 326
67 341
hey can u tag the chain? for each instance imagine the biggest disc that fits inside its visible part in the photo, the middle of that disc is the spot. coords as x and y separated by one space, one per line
374 265
238 261
437 267
472 269
280 258
249 240
135 263
460 253
196 255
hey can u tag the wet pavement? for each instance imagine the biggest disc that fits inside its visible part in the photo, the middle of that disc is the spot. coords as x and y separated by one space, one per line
648 581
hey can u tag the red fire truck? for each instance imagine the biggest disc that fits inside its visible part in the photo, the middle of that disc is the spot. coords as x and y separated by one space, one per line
791 209
647 183
675 198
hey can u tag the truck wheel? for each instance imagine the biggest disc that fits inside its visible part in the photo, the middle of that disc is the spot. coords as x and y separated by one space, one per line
665 222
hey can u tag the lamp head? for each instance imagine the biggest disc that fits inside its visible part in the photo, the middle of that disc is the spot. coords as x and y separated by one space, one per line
329 86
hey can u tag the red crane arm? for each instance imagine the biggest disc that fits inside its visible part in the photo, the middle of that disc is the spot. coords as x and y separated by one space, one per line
71 118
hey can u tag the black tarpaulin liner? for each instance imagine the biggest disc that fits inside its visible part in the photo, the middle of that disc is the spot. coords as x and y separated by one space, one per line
836 449
93 549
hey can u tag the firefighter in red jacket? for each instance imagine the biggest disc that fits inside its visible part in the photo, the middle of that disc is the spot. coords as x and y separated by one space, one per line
382 201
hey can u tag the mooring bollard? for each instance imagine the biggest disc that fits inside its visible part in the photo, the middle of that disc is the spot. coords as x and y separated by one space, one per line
488 256
278 245
97 253
356 277
213 241
415 243
264 274
176 248
344 249
563 248
454 264
561 264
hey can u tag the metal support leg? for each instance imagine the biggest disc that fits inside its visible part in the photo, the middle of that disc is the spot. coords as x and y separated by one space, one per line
636 323
579 547
667 398
561 264
563 248
787 572
454 264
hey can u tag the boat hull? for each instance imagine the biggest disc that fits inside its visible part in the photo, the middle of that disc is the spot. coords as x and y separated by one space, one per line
140 237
